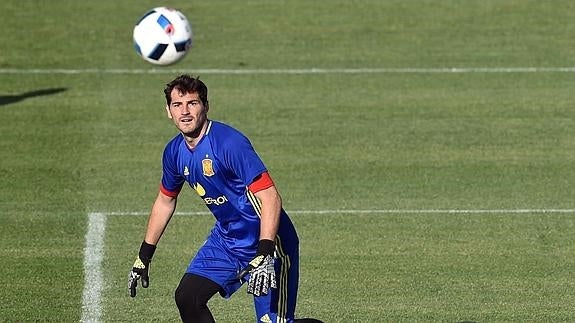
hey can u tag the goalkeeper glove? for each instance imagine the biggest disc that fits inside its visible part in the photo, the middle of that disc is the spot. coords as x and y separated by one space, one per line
261 269
141 268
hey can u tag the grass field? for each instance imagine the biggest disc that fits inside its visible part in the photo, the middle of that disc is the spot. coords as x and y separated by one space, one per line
425 149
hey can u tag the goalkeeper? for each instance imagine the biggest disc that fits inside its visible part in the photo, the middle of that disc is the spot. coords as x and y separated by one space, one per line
253 239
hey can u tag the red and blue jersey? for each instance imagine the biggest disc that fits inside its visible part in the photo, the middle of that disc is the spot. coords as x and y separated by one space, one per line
219 169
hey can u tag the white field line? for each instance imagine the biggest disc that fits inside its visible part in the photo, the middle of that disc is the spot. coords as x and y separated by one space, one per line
93 279
381 211
284 71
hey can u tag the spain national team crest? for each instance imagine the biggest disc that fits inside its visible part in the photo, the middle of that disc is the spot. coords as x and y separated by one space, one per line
207 167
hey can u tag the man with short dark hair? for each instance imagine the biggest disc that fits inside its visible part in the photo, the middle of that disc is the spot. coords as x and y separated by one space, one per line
253 238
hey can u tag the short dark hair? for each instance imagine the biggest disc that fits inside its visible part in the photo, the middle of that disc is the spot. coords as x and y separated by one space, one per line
187 84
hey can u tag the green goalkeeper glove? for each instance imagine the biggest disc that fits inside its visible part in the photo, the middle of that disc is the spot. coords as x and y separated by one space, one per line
261 269
141 268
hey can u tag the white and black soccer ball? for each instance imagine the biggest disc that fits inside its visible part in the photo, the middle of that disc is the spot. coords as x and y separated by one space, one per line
163 36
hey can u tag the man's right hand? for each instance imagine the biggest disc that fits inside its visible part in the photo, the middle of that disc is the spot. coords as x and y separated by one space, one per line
141 268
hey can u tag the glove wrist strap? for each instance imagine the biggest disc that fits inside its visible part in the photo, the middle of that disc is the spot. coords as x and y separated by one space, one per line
146 252
266 247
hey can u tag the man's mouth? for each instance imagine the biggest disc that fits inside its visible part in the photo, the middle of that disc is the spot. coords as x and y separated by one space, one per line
185 120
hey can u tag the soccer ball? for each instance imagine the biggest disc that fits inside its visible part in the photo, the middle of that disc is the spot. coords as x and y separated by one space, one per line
162 36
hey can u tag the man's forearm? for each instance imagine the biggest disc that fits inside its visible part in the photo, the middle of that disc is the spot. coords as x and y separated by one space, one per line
270 214
160 216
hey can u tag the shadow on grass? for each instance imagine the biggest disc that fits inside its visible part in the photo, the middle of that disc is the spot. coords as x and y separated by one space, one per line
9 99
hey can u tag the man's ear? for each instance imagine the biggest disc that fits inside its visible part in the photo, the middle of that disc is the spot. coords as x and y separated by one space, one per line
168 111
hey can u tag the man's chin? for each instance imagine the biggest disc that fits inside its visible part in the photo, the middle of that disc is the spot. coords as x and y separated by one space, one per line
192 133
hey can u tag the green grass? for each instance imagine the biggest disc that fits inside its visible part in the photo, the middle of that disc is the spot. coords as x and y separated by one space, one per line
91 142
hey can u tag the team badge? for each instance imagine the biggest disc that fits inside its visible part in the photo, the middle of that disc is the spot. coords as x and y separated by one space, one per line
207 167
186 171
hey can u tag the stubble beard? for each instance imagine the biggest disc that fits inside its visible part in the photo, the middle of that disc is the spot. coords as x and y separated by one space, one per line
196 131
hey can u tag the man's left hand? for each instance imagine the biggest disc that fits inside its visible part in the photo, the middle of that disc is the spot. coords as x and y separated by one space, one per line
261 270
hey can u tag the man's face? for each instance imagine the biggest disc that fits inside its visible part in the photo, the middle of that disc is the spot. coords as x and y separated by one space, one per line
188 112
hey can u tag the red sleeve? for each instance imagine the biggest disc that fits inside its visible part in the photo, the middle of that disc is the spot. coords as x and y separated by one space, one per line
261 182
169 193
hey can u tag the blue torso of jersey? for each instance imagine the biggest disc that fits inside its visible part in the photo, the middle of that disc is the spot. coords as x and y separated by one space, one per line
219 169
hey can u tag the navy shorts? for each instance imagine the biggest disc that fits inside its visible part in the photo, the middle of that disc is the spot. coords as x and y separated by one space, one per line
216 263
